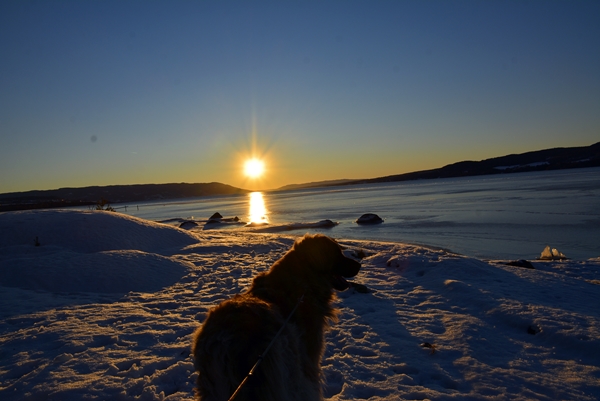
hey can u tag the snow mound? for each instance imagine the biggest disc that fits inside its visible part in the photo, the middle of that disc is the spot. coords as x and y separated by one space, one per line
103 272
87 231
88 252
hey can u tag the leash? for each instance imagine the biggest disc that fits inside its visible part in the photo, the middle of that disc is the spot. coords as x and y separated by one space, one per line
262 356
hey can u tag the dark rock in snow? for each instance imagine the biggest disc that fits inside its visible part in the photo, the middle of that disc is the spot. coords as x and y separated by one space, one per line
186 225
216 221
521 263
369 218
325 223
360 254
360 288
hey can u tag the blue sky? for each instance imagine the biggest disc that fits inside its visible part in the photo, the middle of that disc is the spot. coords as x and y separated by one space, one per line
133 92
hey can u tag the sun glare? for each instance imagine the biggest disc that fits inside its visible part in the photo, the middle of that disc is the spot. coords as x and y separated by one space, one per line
254 168
257 211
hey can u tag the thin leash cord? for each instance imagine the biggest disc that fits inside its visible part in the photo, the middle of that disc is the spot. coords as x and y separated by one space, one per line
262 356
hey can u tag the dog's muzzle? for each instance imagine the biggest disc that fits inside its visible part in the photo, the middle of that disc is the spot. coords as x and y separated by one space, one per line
348 268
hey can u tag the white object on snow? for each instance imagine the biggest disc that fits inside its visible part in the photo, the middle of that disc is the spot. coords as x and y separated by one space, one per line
551 254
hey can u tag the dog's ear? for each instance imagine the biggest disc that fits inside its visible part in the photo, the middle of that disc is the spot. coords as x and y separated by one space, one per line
302 240
311 244
300 244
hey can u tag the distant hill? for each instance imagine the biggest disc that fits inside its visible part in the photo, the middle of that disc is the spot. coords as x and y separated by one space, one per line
292 187
113 194
548 159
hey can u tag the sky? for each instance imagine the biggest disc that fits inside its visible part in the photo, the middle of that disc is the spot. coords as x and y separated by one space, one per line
135 92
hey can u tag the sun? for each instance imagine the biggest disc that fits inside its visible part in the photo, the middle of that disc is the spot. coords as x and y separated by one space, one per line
254 168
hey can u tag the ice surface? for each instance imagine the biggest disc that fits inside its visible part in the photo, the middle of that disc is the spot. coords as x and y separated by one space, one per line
294 226
105 306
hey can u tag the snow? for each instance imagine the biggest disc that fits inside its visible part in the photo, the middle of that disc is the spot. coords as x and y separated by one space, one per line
105 306
536 164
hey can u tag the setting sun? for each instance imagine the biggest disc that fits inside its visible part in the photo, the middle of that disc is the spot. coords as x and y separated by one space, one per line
254 168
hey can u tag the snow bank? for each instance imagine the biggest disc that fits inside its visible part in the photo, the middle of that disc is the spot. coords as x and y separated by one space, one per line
499 332
93 251
87 231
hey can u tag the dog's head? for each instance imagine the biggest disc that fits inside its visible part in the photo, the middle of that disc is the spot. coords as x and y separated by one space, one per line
326 259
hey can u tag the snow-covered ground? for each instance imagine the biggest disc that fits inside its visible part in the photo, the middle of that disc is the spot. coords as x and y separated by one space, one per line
104 309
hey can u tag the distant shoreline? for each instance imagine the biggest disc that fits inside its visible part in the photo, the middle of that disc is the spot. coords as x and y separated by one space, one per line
542 160
113 194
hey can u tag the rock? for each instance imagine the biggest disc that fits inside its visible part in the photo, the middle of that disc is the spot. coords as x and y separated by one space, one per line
215 216
551 254
360 288
186 225
325 223
521 263
532 330
369 218
360 254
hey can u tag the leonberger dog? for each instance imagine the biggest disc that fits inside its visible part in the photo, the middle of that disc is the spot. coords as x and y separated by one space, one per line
298 289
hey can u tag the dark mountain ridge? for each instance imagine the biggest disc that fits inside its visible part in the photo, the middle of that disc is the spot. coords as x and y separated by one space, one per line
548 159
112 194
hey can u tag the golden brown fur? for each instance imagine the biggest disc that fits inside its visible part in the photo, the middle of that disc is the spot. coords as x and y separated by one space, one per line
238 330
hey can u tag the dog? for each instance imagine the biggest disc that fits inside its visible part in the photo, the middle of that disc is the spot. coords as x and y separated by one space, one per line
299 287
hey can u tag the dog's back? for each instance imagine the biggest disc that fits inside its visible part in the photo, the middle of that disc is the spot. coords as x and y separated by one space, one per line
231 341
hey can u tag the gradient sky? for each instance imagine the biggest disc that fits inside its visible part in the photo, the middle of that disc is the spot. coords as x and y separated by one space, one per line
133 92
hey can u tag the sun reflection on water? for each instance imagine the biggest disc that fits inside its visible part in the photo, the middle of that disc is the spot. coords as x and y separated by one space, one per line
257 212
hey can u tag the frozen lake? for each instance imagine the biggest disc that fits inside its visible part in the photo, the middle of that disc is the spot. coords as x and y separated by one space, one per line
508 216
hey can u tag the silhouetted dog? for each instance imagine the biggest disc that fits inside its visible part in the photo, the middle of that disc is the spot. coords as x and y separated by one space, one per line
239 330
